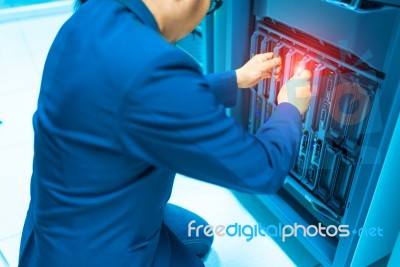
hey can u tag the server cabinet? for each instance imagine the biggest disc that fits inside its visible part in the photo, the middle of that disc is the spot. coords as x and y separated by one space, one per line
351 48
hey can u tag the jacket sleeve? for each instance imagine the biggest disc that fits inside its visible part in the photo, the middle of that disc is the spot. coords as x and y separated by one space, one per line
224 87
171 119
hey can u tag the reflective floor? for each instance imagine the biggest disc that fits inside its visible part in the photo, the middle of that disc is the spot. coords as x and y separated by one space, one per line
23 48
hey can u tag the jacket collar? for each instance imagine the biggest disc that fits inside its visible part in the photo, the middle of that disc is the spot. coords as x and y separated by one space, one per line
141 11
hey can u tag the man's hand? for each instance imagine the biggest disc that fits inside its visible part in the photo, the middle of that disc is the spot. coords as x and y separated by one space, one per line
297 91
256 69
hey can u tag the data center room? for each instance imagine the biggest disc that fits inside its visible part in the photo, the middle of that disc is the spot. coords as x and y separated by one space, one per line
338 206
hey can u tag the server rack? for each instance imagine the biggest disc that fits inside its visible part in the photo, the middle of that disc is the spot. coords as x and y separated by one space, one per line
350 46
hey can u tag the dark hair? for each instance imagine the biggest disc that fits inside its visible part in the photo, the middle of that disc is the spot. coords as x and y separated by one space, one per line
78 3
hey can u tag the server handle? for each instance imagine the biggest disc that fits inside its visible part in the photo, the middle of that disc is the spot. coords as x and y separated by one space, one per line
322 209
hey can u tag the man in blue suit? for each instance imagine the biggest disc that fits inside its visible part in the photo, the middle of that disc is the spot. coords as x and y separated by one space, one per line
120 112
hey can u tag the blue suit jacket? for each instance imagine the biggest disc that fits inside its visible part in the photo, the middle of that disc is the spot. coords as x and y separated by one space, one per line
120 112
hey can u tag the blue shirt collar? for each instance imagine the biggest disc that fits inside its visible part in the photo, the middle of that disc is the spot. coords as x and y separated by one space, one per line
142 12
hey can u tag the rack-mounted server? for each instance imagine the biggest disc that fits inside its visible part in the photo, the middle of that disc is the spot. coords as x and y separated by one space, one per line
335 123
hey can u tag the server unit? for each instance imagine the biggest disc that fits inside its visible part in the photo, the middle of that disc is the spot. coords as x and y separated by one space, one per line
351 48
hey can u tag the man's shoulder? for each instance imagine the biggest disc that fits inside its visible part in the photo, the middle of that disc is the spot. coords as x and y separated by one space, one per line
114 42
110 28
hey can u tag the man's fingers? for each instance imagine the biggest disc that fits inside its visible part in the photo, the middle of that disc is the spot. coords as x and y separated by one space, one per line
300 79
305 74
268 67
266 56
272 63
278 70
297 82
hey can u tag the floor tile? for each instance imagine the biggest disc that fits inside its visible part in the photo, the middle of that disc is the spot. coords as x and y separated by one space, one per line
17 70
16 111
39 34
219 206
10 250
16 171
